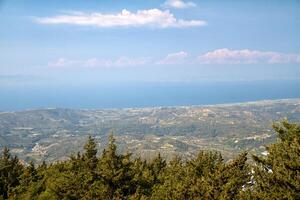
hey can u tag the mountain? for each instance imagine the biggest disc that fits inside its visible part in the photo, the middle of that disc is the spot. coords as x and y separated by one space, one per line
53 134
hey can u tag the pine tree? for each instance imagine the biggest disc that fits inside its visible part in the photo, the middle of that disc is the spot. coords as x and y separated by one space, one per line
116 171
90 154
157 166
202 172
174 183
233 177
10 171
277 176
117 176
143 178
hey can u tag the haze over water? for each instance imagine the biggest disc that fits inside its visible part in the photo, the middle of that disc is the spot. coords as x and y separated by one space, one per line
146 94
133 53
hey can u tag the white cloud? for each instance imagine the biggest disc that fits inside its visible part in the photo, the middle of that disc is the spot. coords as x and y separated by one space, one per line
125 61
246 56
218 56
179 4
174 58
63 62
95 62
122 61
150 18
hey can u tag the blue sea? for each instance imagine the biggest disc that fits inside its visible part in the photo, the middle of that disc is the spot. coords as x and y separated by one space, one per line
137 94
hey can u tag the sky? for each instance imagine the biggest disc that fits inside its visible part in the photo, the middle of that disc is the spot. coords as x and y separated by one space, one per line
88 42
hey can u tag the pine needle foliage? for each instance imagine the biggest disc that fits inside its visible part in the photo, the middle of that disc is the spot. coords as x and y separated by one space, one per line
112 176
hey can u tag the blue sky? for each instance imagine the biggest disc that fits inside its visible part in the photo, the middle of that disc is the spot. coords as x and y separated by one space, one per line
100 41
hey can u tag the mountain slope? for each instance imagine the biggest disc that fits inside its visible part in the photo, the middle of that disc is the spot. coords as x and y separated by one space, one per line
52 134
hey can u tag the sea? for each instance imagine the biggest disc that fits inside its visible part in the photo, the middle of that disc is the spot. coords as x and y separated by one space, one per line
144 94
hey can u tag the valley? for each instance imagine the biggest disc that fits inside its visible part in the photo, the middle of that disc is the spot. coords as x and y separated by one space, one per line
53 134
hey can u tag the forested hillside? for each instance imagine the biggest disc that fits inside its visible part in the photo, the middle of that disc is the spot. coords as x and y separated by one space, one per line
121 176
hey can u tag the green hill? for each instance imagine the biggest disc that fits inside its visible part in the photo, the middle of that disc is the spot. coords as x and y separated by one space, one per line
53 134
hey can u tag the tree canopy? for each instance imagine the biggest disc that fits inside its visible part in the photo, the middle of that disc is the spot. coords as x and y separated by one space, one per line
121 176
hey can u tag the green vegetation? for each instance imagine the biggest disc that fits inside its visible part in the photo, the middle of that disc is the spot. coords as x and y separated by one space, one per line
120 176
53 134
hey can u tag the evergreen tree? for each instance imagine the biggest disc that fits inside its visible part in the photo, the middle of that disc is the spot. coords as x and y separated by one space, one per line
174 183
10 171
232 178
202 172
117 176
143 178
157 166
277 176
90 154
116 171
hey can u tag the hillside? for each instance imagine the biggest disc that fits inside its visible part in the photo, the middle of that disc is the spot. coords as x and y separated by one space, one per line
53 134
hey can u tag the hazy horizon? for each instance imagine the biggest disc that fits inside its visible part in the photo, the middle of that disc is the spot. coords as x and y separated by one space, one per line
110 54
131 95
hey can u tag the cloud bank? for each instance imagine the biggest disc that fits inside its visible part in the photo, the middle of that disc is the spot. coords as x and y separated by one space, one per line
122 61
174 58
149 18
178 4
216 57
246 56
